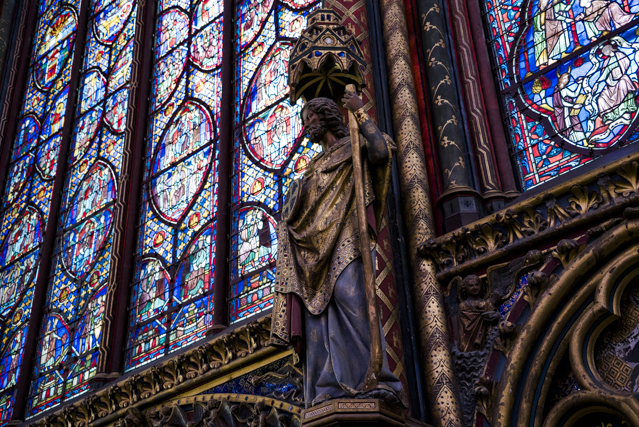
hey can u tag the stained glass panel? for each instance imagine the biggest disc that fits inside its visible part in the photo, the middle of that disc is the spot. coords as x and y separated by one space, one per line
72 327
269 148
172 296
570 93
26 202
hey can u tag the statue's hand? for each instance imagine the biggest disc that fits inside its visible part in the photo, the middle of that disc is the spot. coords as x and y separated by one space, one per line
351 101
491 316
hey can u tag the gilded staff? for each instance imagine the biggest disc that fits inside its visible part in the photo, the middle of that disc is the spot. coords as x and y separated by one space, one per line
375 362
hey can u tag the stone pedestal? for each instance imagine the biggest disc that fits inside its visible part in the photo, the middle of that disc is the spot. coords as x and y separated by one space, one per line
357 412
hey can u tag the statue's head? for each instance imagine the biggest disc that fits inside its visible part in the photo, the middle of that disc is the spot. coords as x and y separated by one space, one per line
472 287
330 120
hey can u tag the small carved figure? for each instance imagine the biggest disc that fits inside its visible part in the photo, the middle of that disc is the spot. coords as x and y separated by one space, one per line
476 313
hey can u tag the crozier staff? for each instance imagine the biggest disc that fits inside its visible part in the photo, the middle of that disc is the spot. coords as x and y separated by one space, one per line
319 257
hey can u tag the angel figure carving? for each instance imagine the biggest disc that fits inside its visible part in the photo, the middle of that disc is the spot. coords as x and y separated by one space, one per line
477 313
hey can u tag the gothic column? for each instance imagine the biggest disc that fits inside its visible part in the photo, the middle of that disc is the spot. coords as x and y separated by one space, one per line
491 187
436 354
460 200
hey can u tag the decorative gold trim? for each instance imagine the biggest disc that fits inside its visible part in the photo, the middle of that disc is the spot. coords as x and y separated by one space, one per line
231 352
239 372
586 402
436 353
233 397
569 206
583 277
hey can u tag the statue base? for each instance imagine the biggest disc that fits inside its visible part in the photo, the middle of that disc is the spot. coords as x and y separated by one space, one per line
357 412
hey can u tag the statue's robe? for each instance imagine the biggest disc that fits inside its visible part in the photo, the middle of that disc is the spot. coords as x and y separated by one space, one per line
319 260
472 324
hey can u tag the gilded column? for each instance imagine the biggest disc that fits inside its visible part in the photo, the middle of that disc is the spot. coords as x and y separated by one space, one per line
436 353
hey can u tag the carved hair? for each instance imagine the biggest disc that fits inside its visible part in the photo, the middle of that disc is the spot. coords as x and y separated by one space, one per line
329 114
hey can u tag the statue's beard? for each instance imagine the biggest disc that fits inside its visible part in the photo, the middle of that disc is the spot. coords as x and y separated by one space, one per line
316 132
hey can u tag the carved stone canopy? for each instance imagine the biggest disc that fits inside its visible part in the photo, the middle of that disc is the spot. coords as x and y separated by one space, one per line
325 59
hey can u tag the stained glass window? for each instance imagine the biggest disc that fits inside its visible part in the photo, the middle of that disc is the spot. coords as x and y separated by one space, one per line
172 297
570 93
269 148
26 202
72 327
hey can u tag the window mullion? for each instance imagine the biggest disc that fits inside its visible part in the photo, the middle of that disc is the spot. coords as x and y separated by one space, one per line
112 352
223 232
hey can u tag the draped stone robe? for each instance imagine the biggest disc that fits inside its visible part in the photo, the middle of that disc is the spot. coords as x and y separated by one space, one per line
318 243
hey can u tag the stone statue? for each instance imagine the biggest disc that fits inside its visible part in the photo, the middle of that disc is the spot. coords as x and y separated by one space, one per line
476 313
319 259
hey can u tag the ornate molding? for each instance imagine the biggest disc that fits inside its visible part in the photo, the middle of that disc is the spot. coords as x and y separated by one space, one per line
118 401
584 202
581 301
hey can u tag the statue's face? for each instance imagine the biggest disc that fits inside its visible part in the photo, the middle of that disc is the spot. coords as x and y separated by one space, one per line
313 126
473 287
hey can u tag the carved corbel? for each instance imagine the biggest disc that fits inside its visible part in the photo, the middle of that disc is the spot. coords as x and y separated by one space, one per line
537 285
151 383
532 222
197 362
264 331
450 245
606 189
221 352
556 214
245 343
67 417
85 412
107 402
485 392
508 331
509 220
567 250
463 240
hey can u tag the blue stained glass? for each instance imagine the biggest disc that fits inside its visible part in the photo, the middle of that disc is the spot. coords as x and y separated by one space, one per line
571 95
270 150
25 209
68 347
172 297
